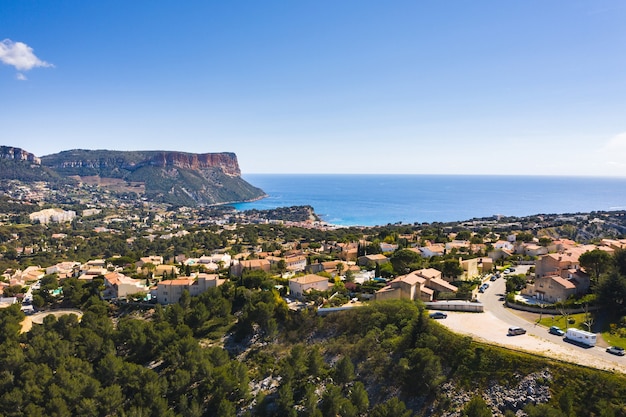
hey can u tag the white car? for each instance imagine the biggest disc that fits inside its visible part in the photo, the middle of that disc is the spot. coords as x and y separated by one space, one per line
616 350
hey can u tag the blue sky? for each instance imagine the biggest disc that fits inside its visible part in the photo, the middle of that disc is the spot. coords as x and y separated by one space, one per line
407 87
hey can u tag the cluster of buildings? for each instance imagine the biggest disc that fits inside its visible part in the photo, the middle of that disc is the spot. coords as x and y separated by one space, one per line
557 273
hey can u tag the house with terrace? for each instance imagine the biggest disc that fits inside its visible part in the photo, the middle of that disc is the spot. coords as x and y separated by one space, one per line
556 264
377 259
118 285
237 268
431 250
65 269
422 285
532 249
295 263
170 291
405 287
435 281
299 286
551 289
348 251
154 260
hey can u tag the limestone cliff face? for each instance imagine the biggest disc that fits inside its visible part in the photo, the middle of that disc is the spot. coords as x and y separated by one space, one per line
18 154
226 161
133 160
179 178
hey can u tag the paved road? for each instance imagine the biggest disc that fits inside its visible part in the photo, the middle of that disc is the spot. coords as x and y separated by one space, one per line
38 318
492 325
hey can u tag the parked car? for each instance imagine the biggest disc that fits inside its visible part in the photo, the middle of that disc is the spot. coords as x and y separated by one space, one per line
438 315
493 278
616 350
515 330
556 330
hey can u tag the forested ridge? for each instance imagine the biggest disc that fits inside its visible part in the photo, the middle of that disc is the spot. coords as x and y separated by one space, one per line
238 350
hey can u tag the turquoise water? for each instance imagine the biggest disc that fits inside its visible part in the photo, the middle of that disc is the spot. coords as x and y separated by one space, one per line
369 200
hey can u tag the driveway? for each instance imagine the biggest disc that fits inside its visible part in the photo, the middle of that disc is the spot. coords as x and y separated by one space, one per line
492 326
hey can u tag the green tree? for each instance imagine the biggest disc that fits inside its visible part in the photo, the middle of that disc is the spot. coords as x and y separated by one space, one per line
281 266
612 295
13 290
451 268
315 362
477 407
545 241
331 401
359 398
226 409
463 235
405 261
344 370
595 262
391 408
524 237
285 401
185 300
309 401
514 282
620 261
566 401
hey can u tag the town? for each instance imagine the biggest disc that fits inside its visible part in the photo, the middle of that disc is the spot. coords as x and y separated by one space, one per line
138 258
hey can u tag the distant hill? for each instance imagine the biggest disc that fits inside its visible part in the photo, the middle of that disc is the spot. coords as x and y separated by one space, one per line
177 178
18 164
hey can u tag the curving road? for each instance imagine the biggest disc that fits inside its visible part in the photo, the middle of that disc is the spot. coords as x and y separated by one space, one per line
38 318
492 326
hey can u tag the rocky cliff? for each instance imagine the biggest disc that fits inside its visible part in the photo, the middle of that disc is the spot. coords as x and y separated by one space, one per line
177 178
18 154
225 160
80 161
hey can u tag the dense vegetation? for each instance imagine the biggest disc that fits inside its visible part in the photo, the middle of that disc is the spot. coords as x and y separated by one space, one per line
28 172
241 351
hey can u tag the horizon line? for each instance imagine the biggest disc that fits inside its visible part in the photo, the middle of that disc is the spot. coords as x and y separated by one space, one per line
439 174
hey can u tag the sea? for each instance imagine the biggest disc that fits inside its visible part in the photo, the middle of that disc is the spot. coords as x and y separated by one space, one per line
371 200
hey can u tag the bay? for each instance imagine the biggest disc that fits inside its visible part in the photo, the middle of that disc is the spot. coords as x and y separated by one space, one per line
369 200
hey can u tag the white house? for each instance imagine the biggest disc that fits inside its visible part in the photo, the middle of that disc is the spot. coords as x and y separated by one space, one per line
117 285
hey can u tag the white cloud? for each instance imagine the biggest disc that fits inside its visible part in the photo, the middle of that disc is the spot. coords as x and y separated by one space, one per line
20 55
21 77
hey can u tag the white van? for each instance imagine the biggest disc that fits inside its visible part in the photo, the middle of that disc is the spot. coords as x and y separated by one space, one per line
581 336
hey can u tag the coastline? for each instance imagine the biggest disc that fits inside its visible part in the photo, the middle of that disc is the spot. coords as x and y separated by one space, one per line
226 203
378 200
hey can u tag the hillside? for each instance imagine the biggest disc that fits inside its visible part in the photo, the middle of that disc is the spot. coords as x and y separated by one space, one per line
177 178
240 351
18 164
